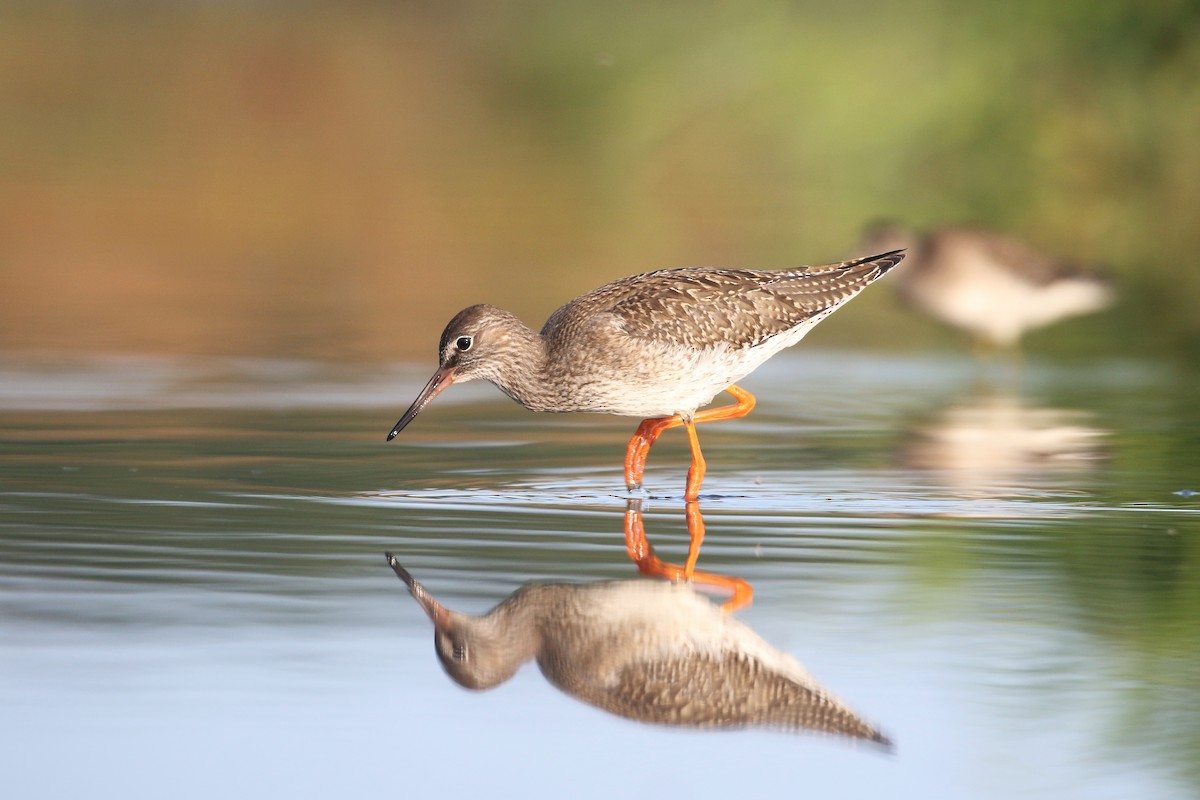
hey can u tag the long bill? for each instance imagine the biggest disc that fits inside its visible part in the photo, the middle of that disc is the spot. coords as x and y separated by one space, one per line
440 380
436 611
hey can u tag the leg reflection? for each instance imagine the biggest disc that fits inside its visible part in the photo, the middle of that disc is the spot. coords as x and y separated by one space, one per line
648 563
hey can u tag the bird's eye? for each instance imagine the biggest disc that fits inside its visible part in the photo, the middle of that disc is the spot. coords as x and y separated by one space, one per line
460 651
464 343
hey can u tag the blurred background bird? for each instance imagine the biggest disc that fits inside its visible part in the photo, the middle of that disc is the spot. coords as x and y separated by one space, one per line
987 284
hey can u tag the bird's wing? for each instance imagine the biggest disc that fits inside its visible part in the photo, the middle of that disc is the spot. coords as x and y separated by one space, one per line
702 307
732 690
822 288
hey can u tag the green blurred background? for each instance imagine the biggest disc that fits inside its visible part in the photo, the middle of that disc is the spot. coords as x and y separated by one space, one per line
335 180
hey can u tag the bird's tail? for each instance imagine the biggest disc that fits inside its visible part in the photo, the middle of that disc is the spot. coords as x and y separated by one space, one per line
880 263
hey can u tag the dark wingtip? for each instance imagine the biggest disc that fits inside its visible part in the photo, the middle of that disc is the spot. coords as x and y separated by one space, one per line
879 264
392 435
892 257
885 744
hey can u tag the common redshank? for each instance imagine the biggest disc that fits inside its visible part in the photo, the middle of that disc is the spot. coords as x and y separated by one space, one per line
642 649
987 284
657 346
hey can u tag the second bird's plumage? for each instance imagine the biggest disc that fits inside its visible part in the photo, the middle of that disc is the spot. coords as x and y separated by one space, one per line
990 285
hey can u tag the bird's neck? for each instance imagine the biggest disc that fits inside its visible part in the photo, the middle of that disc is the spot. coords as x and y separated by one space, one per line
522 373
515 627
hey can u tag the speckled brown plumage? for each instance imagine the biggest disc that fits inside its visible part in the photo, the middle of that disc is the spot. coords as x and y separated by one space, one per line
646 650
733 690
705 308
649 345
656 346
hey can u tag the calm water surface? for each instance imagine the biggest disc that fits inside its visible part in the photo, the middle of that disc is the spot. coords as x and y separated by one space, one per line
1004 575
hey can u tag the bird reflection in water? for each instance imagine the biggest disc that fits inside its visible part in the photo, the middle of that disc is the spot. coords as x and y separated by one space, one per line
648 650
649 564
993 439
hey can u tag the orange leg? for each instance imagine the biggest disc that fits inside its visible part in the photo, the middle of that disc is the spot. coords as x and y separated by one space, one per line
695 526
642 554
650 429
697 469
639 447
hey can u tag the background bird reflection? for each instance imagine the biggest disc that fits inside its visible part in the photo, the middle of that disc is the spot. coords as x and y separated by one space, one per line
991 441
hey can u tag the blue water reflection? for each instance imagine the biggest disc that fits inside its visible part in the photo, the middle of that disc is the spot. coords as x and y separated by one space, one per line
192 594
